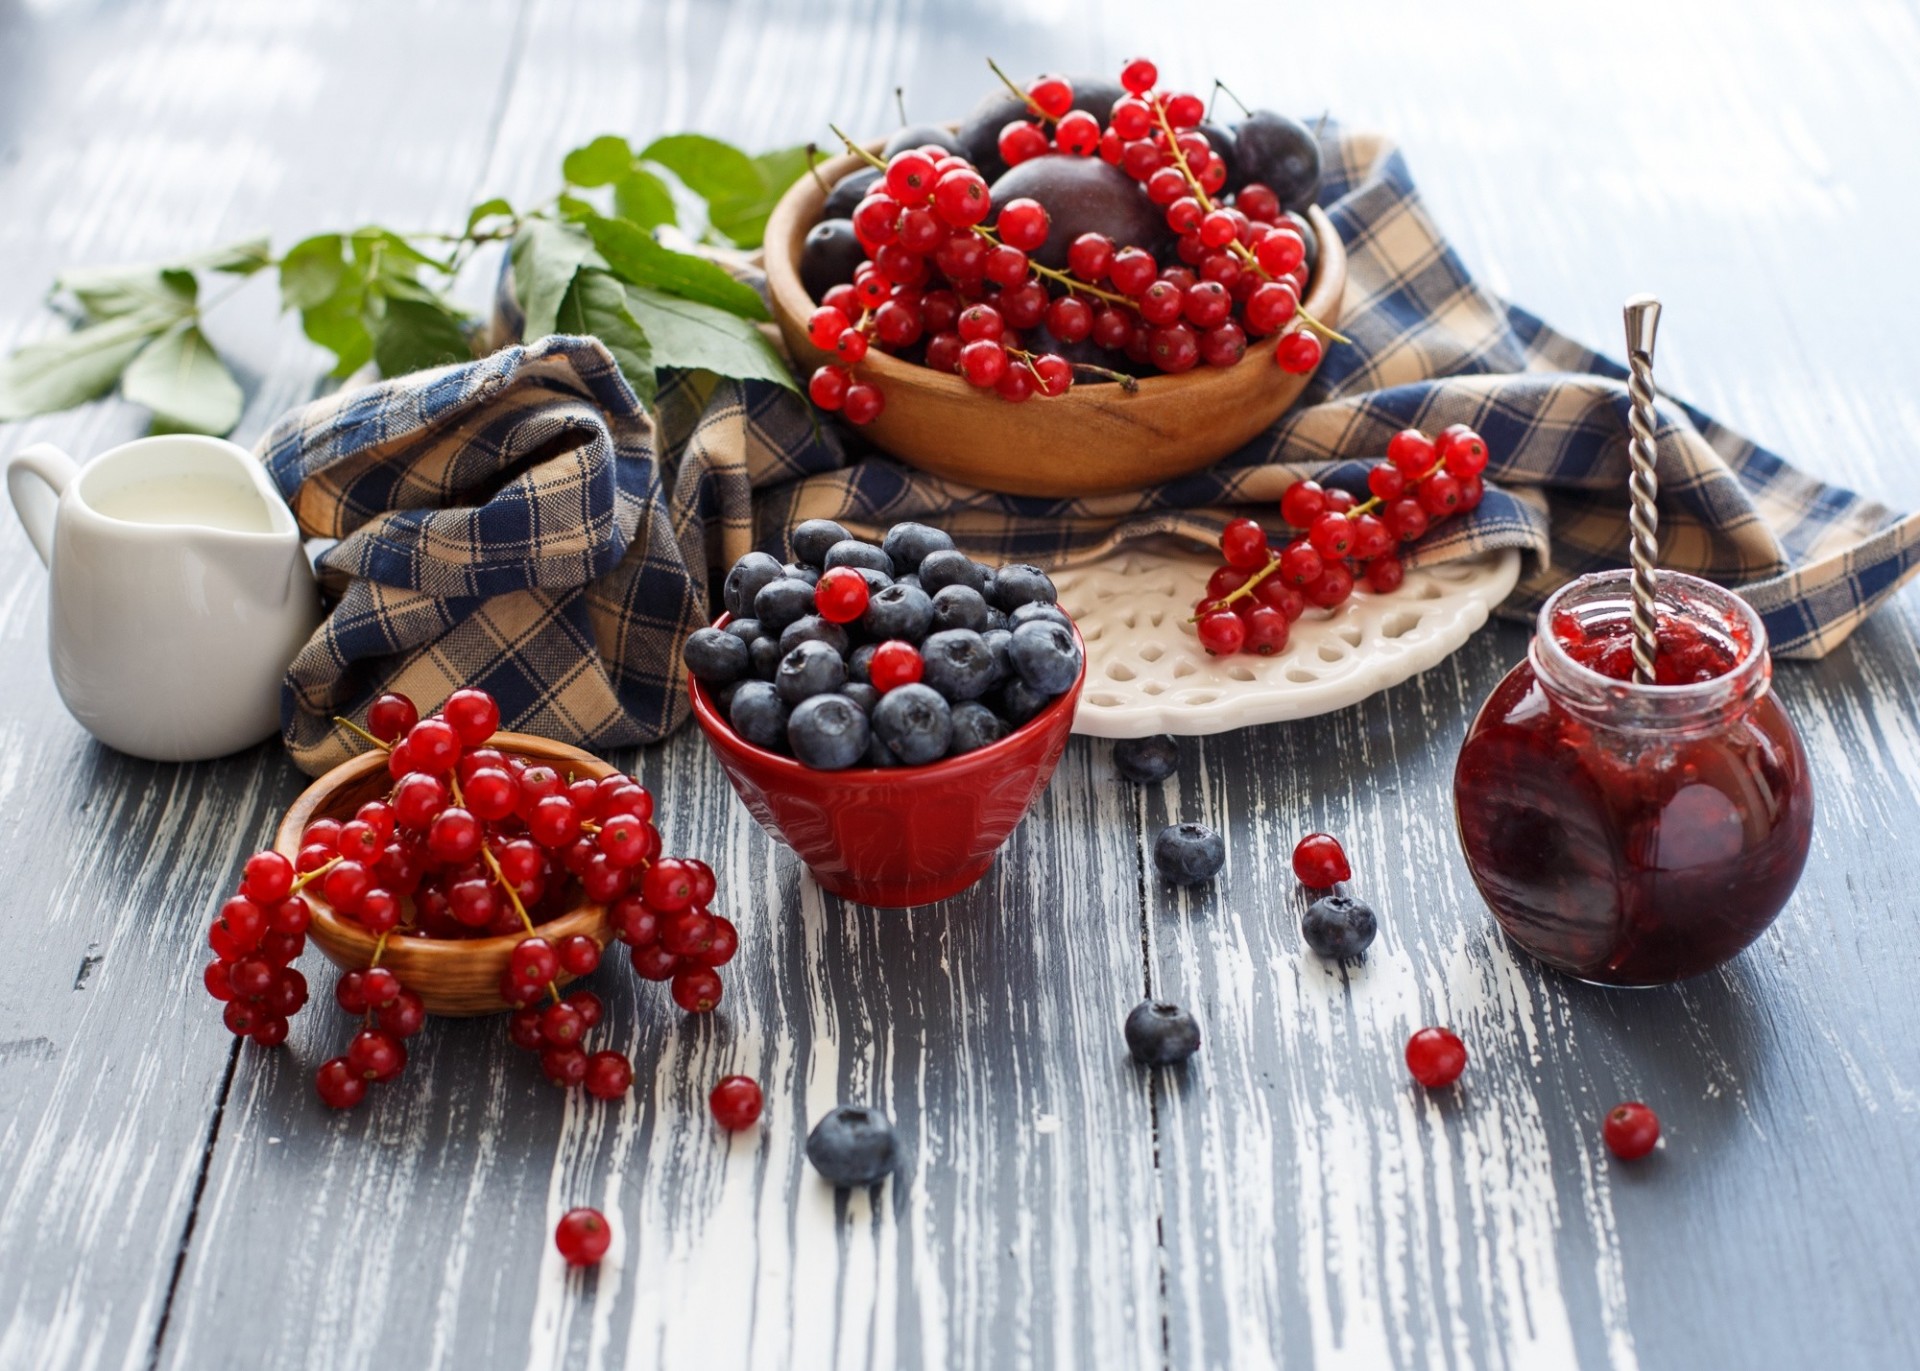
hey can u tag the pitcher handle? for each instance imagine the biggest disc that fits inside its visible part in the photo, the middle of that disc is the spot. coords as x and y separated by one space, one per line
36 477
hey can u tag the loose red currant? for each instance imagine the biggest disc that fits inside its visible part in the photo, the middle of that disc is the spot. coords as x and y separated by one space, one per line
390 716
609 1075
1436 1057
696 989
1297 353
894 663
338 1085
1303 502
473 716
1412 452
1222 633
736 1102
1320 862
583 1237
1631 1130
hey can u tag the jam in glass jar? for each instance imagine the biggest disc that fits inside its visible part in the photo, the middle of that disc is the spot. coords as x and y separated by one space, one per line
1631 834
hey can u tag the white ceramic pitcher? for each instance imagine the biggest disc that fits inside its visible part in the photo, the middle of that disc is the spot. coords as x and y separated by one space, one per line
179 591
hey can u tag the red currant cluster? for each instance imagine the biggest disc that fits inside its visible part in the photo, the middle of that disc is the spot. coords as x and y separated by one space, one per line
936 271
1252 601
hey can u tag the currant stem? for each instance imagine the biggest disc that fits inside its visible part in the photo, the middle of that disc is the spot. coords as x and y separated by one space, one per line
1240 592
1008 82
813 167
307 878
350 724
1072 283
1126 382
856 149
500 877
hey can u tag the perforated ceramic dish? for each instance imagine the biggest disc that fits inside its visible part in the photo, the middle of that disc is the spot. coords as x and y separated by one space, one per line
1147 673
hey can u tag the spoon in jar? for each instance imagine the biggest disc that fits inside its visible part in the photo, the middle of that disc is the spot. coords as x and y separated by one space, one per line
1643 482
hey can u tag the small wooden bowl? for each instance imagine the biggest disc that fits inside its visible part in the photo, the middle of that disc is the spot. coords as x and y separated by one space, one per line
455 977
1095 439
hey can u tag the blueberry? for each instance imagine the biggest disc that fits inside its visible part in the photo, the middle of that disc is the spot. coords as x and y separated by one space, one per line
878 753
899 611
766 657
855 553
1046 656
952 568
974 726
716 656
1020 702
862 694
1338 926
810 540
1161 1034
877 581
957 663
810 669
910 579
1038 610
758 715
910 544
1021 584
800 571
828 732
854 1145
752 571
915 722
1146 760
1188 854
723 696
996 619
860 664
811 628
998 640
747 631
780 602
959 607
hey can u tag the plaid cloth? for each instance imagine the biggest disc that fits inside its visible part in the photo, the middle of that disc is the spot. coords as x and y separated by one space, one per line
517 522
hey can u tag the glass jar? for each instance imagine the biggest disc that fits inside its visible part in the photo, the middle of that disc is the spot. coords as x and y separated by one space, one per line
1633 834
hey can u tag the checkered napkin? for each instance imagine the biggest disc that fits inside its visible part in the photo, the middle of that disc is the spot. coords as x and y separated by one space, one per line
520 524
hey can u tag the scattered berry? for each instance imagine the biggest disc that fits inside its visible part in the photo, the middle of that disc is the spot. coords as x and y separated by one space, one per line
583 1237
736 1103
1146 761
854 1145
1161 1034
1436 1057
1320 862
1338 926
1189 853
1631 1130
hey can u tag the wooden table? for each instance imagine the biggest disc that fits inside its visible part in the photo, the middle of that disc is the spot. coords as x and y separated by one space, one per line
170 1200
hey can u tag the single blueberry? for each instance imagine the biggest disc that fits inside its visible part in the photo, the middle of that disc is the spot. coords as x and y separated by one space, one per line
1020 702
810 540
1161 1034
747 631
1046 656
1338 926
1188 854
862 694
878 753
766 657
909 544
1146 760
899 611
1038 611
1022 584
751 572
998 640
915 721
809 669
855 553
780 602
854 1145
758 715
974 726
949 567
716 656
800 571
877 581
959 607
996 619
722 696
860 664
811 628
956 663
828 732
909 580
991 586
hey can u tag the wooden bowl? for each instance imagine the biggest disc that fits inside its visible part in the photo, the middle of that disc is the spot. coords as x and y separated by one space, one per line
1095 439
456 977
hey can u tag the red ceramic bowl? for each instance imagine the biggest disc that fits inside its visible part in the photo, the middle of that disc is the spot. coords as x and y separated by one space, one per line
896 836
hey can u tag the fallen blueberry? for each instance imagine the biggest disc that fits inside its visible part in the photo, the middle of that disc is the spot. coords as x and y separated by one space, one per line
957 663
1161 1034
1046 656
974 726
915 722
716 656
910 544
810 669
1338 926
1188 854
758 715
854 1145
812 539
1146 760
828 732
1021 584
749 574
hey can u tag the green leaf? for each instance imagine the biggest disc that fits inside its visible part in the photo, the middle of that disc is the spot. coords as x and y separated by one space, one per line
642 198
545 256
112 292
75 367
388 254
236 259
634 257
692 336
572 208
340 326
311 272
600 163
495 208
781 167
596 306
413 335
183 381
734 188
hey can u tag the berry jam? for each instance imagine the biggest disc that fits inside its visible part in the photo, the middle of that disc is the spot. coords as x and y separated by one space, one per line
1636 835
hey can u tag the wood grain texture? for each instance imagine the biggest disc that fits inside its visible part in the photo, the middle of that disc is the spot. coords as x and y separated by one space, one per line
1289 1198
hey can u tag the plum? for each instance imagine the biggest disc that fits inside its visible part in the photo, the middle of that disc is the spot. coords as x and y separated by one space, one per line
918 136
1084 195
847 192
980 131
829 256
1281 153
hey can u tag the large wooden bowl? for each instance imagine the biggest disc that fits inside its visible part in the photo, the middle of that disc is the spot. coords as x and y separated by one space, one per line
458 977
1093 440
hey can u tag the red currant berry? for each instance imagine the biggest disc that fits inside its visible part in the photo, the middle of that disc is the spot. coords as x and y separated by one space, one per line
588 1006
895 663
579 954
453 837
876 220
1174 349
1165 187
825 325
434 746
1206 304
216 982
418 798
897 325
321 833
1472 491
1022 142
390 716
962 258
250 977
338 1085
491 794
517 994
1053 94
1280 252
376 1055
1436 1057
1385 574
1053 375
1333 587
827 387
1332 536
983 362
561 1024
533 961
634 922
270 1031
1089 256
473 716
1320 862
1439 495
553 822
1270 307
668 885
1224 344
1298 353
565 1064
1015 384
1160 303
237 929
1412 452
1023 306
687 934
1244 545
399 759
723 940
1222 633
1139 75
609 1075
1132 271
654 963
696 989
473 902
910 177
1258 202
1218 229
523 1029
344 885
864 403
943 352
980 322
583 1237
961 198
406 1016
1463 450
841 596
1371 537
1267 629
1069 319
267 878
851 346
1631 1130
379 987
1302 503
1407 520
1184 110
736 1102
1300 564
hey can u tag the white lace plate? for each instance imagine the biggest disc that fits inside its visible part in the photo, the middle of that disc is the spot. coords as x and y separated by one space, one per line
1147 673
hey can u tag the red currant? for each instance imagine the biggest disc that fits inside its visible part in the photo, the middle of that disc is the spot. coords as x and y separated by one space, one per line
1412 452
864 403
736 1102
1023 224
984 361
895 663
1297 353
1407 520
1333 587
827 387
1631 1130
696 989
1139 76
267 878
338 1085
1021 141
1302 503
961 198
1053 375
1439 495
1132 271
1331 536
454 835
579 955
1267 629
583 1237
1463 450
1222 633
473 716
1224 344
1258 202
434 746
910 177
654 963
1384 574
406 1016
1244 544
376 1055
841 595
1300 564
564 1064
390 716
825 325
609 1075
418 798
634 922
1320 862
1436 1057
